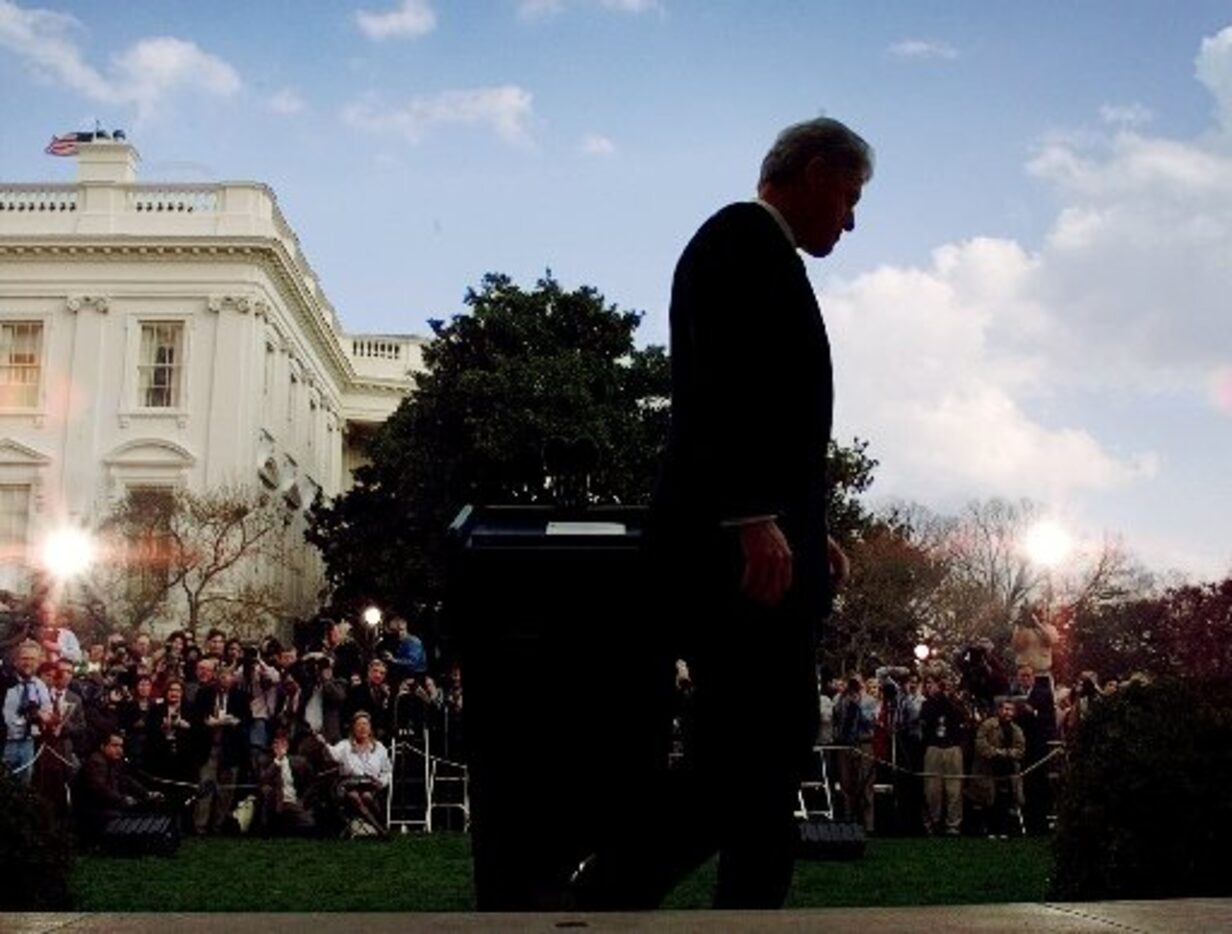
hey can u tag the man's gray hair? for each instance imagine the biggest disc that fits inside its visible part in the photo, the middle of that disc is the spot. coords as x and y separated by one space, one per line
834 142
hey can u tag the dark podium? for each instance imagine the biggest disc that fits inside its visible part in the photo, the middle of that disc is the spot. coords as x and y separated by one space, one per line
567 698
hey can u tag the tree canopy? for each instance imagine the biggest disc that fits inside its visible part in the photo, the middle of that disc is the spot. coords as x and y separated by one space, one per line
520 368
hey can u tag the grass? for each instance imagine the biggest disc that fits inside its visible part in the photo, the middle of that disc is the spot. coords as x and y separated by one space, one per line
433 873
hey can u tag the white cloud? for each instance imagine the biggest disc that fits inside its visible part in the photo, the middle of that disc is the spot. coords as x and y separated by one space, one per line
596 145
931 366
977 374
411 19
540 9
923 49
1126 115
286 102
143 75
1213 68
505 110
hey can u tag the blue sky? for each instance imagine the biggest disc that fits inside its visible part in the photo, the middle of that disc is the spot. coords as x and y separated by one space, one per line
1031 302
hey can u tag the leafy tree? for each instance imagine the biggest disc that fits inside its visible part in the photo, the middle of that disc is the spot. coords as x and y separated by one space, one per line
519 369
212 556
522 369
886 604
1185 632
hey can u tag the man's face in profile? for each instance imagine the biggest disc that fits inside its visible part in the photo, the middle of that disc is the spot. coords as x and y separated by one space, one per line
828 206
113 749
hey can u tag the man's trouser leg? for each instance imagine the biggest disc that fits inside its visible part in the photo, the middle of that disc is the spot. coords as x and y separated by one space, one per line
204 807
18 754
952 766
933 788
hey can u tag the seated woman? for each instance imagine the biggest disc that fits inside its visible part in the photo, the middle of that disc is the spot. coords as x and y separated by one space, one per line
364 772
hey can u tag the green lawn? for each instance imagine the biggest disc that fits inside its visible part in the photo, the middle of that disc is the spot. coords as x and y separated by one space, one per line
432 873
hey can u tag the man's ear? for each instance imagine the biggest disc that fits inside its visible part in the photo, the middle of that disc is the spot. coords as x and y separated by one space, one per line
816 171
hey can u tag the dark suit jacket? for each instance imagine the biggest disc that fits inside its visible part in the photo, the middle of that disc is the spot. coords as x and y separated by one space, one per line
378 704
302 776
233 739
104 785
752 400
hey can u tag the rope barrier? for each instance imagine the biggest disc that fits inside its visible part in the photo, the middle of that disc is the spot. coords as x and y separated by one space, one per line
961 777
430 757
29 765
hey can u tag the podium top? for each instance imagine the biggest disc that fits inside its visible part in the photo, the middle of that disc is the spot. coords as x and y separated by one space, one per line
547 526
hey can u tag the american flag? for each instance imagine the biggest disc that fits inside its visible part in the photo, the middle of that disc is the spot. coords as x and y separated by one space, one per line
63 145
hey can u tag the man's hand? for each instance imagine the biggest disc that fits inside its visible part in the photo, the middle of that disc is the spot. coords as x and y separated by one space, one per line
767 562
840 565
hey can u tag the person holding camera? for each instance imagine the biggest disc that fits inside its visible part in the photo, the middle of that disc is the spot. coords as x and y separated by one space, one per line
322 709
285 787
106 790
219 716
27 712
260 680
375 698
855 720
942 722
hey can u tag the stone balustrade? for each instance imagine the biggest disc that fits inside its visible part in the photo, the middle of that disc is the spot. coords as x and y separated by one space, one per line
35 199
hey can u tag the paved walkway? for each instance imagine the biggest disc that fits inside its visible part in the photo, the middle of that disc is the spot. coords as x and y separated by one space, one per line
1038 918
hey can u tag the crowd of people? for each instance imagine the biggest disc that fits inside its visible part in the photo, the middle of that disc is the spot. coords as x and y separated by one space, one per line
226 735
296 739
964 746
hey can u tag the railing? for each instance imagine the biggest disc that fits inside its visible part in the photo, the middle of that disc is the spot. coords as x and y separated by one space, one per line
38 198
173 199
376 349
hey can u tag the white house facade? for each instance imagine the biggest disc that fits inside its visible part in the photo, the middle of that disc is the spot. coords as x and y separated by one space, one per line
171 335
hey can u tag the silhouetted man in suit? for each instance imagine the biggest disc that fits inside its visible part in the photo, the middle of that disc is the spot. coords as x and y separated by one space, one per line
738 527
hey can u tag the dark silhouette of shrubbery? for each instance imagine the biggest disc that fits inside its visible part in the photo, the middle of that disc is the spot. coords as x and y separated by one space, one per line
35 852
1147 807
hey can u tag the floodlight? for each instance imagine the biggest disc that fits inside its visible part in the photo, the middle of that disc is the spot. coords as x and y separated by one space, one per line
68 552
372 616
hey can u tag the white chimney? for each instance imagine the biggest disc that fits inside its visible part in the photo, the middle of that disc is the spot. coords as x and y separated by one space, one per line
107 160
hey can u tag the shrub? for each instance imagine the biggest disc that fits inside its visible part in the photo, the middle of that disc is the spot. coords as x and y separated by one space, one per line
1147 807
35 853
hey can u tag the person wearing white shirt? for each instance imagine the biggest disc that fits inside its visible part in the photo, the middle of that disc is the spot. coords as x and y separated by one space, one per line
365 770
27 711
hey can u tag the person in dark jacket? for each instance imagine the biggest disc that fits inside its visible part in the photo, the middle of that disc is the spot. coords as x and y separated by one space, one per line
105 790
374 698
286 784
942 719
745 567
220 725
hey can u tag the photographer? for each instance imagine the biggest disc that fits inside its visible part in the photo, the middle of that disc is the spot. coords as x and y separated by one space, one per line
260 681
106 790
285 786
170 752
999 748
942 721
855 720
1032 639
27 711
219 717
322 710
134 712
374 698
983 677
